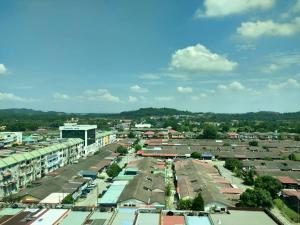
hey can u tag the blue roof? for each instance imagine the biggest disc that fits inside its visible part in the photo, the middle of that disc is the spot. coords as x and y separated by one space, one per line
197 220
113 193
207 154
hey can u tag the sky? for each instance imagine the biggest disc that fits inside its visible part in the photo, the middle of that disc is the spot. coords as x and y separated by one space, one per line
112 56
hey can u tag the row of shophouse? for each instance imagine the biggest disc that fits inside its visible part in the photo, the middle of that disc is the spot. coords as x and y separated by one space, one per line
20 169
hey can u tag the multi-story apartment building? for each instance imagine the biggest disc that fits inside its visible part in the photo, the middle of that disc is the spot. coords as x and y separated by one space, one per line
20 169
105 138
9 138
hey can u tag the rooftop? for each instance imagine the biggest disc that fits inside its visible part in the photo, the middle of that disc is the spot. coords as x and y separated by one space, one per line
237 217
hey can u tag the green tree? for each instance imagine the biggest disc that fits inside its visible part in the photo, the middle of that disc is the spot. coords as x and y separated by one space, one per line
122 150
210 132
168 190
268 183
113 170
198 203
137 147
196 155
131 135
292 156
68 199
249 177
253 143
256 198
233 164
185 204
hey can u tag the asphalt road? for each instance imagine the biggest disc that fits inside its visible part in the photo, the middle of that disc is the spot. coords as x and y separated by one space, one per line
228 175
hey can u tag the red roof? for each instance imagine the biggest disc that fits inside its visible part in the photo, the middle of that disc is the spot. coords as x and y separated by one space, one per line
159 154
231 191
286 180
172 131
172 220
149 132
291 192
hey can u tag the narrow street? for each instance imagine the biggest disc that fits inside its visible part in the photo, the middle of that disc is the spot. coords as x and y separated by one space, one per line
228 175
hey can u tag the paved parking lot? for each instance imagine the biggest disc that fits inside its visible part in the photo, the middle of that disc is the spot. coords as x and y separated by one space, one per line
91 199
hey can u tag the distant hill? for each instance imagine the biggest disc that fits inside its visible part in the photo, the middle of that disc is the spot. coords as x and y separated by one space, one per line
27 113
12 114
143 112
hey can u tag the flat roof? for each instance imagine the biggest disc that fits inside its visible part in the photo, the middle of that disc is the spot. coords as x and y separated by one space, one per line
75 218
239 217
148 219
50 217
9 211
54 198
113 193
172 220
124 217
197 220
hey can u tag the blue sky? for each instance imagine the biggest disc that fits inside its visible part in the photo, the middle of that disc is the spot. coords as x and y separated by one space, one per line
111 56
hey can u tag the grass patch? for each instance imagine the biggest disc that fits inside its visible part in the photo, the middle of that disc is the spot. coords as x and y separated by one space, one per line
286 211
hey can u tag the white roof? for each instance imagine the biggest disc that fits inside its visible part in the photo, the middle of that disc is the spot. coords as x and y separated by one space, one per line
54 198
50 217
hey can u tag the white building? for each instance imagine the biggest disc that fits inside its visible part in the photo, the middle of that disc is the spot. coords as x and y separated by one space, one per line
143 125
85 132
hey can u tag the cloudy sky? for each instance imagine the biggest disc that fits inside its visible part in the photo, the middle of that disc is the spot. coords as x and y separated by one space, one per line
111 56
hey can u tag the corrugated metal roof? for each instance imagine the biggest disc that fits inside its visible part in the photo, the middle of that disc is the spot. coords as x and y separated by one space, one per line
113 193
75 218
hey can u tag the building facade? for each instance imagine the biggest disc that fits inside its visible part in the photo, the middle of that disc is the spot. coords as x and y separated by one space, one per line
20 169
85 132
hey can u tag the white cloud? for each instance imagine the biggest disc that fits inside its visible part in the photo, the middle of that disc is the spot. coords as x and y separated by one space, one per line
184 90
215 8
138 89
164 98
199 59
293 9
12 97
289 83
197 97
132 99
268 28
3 69
61 96
100 94
149 76
234 86
270 68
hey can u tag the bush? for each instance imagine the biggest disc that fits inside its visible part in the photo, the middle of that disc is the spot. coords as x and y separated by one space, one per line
253 143
196 155
185 204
